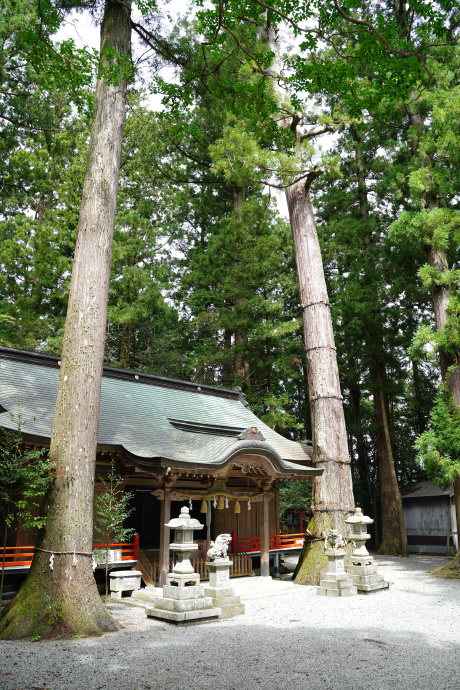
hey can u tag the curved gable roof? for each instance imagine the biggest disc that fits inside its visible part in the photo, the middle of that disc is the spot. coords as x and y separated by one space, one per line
155 420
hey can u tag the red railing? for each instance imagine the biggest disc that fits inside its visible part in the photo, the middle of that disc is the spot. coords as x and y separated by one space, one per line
21 556
276 542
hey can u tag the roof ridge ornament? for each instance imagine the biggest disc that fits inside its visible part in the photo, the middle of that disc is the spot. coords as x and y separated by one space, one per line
252 433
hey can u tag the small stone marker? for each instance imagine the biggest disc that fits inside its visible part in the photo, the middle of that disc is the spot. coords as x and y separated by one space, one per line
361 565
336 582
219 589
183 601
124 581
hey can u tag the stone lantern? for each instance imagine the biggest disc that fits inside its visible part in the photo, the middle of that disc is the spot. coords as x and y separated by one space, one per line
183 600
361 565
183 546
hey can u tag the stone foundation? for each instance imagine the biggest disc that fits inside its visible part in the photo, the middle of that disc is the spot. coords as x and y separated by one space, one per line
364 574
337 582
182 605
219 588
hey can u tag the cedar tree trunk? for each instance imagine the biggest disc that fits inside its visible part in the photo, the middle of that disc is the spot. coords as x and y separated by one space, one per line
332 496
64 600
449 363
450 369
394 537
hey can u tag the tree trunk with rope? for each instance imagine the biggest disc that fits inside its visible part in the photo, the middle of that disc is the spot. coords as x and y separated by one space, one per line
332 496
59 596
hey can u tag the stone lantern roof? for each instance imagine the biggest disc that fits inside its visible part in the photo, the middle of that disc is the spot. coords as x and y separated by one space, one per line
184 521
359 518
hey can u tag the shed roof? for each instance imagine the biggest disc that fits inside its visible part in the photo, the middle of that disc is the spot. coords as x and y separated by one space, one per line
154 420
425 489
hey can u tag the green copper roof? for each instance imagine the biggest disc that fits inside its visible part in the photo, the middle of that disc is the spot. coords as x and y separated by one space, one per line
154 420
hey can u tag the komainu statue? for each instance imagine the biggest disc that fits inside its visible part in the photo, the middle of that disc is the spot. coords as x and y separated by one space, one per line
218 549
334 540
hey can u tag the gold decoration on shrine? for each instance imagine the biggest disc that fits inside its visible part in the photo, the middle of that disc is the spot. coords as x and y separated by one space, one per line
204 506
237 507
220 504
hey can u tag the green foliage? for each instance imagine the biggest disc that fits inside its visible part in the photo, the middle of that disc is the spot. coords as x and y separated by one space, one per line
277 417
439 447
111 509
436 227
294 496
424 344
25 476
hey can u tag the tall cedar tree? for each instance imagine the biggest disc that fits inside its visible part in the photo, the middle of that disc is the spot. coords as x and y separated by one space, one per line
66 598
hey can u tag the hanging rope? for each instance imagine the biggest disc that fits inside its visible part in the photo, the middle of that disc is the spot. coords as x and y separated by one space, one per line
66 553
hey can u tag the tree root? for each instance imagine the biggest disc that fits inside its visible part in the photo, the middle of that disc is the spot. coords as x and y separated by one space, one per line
450 571
42 614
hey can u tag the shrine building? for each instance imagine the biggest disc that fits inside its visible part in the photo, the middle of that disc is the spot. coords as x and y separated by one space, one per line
171 441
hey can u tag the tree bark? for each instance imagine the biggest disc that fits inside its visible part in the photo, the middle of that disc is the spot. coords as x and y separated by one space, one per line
361 450
332 496
441 294
394 538
63 598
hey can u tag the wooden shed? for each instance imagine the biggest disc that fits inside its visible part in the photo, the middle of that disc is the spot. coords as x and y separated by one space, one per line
430 518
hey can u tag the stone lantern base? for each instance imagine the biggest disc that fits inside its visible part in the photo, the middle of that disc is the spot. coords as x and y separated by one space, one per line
183 580
337 582
364 573
220 591
183 605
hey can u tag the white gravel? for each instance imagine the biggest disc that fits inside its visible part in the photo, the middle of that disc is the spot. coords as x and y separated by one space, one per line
406 637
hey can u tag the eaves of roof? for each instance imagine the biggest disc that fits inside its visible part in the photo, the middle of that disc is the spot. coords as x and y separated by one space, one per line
155 421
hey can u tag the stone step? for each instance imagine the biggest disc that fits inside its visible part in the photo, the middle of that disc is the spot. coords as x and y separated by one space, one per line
376 587
184 617
183 605
342 592
147 594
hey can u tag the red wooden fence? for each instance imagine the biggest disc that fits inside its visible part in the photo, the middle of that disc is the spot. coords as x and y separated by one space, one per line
21 556
281 542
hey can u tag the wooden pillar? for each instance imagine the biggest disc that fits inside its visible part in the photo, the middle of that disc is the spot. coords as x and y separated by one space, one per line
165 517
264 537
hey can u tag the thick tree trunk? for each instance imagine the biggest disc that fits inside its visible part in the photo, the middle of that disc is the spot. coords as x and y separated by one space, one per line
361 451
60 594
452 569
332 498
333 491
394 538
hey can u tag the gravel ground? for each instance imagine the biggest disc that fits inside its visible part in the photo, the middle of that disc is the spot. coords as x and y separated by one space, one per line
406 637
